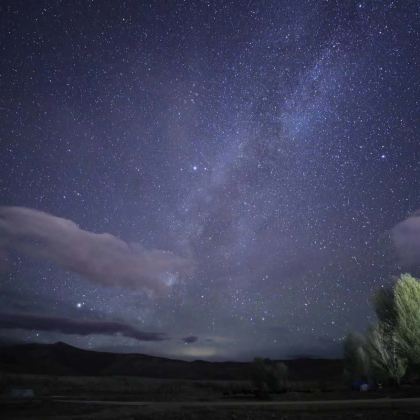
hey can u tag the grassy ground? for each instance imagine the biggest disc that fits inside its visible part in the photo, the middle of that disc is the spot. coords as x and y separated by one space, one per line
149 389
126 388
53 410
201 400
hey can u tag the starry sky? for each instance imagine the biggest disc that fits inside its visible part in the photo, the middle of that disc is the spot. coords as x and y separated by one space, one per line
203 179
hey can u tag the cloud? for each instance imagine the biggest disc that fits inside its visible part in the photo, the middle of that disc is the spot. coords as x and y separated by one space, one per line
71 326
406 239
190 339
100 257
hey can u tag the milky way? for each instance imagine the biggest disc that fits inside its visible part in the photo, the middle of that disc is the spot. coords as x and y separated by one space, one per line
272 145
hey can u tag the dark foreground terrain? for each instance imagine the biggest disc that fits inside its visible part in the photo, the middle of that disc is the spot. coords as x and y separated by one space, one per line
70 383
373 410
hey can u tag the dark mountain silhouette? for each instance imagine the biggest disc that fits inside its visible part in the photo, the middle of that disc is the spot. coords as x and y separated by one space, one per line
63 359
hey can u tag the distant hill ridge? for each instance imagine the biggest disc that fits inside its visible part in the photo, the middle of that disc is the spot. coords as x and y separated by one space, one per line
63 359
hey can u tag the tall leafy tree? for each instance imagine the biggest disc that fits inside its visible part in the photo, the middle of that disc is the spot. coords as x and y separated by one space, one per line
385 308
383 347
407 304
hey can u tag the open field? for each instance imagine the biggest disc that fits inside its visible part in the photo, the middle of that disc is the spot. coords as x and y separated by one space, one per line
183 390
67 397
360 409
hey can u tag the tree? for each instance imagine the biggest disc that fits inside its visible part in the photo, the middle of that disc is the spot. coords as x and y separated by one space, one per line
384 350
259 378
356 360
392 347
385 308
279 373
407 304
269 377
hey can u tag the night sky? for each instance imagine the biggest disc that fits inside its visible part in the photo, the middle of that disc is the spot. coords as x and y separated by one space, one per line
203 179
